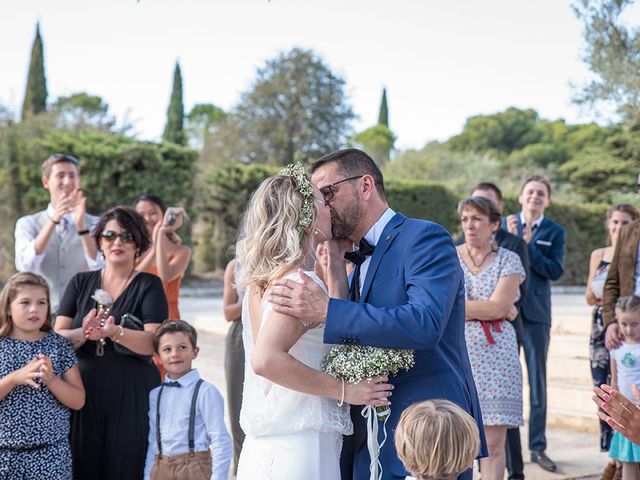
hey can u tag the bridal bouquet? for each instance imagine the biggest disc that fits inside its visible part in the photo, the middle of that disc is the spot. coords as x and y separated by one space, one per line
354 363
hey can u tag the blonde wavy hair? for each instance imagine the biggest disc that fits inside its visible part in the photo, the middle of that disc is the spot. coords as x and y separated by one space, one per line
437 440
270 241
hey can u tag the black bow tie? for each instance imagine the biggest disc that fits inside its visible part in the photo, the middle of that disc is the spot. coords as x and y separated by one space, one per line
171 384
358 257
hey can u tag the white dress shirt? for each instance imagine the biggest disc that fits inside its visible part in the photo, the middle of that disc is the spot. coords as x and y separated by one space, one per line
372 236
535 225
27 260
210 432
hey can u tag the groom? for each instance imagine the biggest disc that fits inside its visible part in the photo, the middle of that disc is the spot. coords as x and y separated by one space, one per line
409 294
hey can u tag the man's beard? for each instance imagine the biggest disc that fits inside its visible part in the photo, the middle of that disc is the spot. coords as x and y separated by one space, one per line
343 225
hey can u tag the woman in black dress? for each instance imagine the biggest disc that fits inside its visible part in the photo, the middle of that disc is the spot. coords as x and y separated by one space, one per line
109 435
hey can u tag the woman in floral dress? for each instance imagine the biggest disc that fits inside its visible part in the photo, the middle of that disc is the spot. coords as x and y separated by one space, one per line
492 277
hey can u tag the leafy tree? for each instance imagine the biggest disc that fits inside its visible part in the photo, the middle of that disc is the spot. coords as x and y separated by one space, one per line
612 53
436 163
35 99
296 110
538 155
599 172
223 195
500 132
202 121
82 110
377 141
174 129
383 115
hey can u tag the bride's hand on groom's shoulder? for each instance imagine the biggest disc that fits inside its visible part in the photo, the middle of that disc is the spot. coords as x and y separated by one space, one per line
374 391
305 301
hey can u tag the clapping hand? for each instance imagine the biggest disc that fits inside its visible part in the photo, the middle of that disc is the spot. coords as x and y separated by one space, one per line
29 374
512 224
91 324
64 205
80 202
46 369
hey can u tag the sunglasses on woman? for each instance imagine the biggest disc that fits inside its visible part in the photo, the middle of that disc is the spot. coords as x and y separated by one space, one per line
110 236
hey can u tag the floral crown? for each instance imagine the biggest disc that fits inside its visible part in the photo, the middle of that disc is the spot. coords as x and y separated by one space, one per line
304 188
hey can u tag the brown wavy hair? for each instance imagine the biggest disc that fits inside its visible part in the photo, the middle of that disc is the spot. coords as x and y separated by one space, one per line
10 292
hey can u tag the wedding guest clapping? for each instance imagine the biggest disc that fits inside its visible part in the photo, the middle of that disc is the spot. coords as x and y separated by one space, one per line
55 242
167 257
109 317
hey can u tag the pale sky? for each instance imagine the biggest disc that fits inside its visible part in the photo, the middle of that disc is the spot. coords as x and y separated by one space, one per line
441 62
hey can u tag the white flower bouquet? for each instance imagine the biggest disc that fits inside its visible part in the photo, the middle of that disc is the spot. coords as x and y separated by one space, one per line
354 363
104 301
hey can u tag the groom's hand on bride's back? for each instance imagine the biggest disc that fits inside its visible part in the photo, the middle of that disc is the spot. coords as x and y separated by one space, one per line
305 301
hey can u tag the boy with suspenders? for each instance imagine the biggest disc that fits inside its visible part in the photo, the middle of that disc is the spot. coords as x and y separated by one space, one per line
187 436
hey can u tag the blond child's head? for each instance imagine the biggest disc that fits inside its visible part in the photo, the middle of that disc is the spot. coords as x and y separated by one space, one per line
437 440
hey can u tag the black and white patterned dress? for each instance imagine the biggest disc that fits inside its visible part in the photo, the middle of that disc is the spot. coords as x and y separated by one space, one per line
34 425
493 348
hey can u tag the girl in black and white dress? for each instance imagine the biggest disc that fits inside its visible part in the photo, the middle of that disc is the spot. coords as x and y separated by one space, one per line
39 384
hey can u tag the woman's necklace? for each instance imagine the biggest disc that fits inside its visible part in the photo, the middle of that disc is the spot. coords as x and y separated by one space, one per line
107 309
476 267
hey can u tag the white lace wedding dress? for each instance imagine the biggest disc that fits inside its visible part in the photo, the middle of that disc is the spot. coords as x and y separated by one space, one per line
289 435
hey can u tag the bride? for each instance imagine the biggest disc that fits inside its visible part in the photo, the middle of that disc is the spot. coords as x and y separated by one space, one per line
293 414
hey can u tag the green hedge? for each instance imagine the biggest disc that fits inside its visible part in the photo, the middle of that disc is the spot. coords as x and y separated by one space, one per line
225 191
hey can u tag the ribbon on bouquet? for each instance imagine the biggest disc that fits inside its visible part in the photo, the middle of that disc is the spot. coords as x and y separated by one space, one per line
370 415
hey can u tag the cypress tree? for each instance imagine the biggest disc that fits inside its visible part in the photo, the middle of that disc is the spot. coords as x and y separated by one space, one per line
383 116
35 99
174 129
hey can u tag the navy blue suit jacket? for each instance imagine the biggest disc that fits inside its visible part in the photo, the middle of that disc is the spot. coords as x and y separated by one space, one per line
413 297
546 264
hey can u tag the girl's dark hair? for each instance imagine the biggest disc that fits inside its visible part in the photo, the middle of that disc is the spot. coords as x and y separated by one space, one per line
129 220
149 197
10 292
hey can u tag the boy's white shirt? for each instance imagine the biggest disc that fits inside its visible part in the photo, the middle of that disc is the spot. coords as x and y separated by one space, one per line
210 432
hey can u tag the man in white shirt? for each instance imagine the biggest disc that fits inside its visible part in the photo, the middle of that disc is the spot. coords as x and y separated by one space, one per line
55 242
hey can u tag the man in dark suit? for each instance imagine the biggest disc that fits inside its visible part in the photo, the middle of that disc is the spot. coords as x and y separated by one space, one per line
411 295
490 191
546 248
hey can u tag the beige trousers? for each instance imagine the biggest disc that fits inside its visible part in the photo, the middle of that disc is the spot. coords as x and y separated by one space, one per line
187 466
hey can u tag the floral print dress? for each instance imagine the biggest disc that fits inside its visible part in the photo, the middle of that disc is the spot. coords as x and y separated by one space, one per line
492 346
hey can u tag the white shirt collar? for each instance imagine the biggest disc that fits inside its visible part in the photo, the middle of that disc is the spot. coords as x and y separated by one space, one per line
187 379
375 232
535 224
